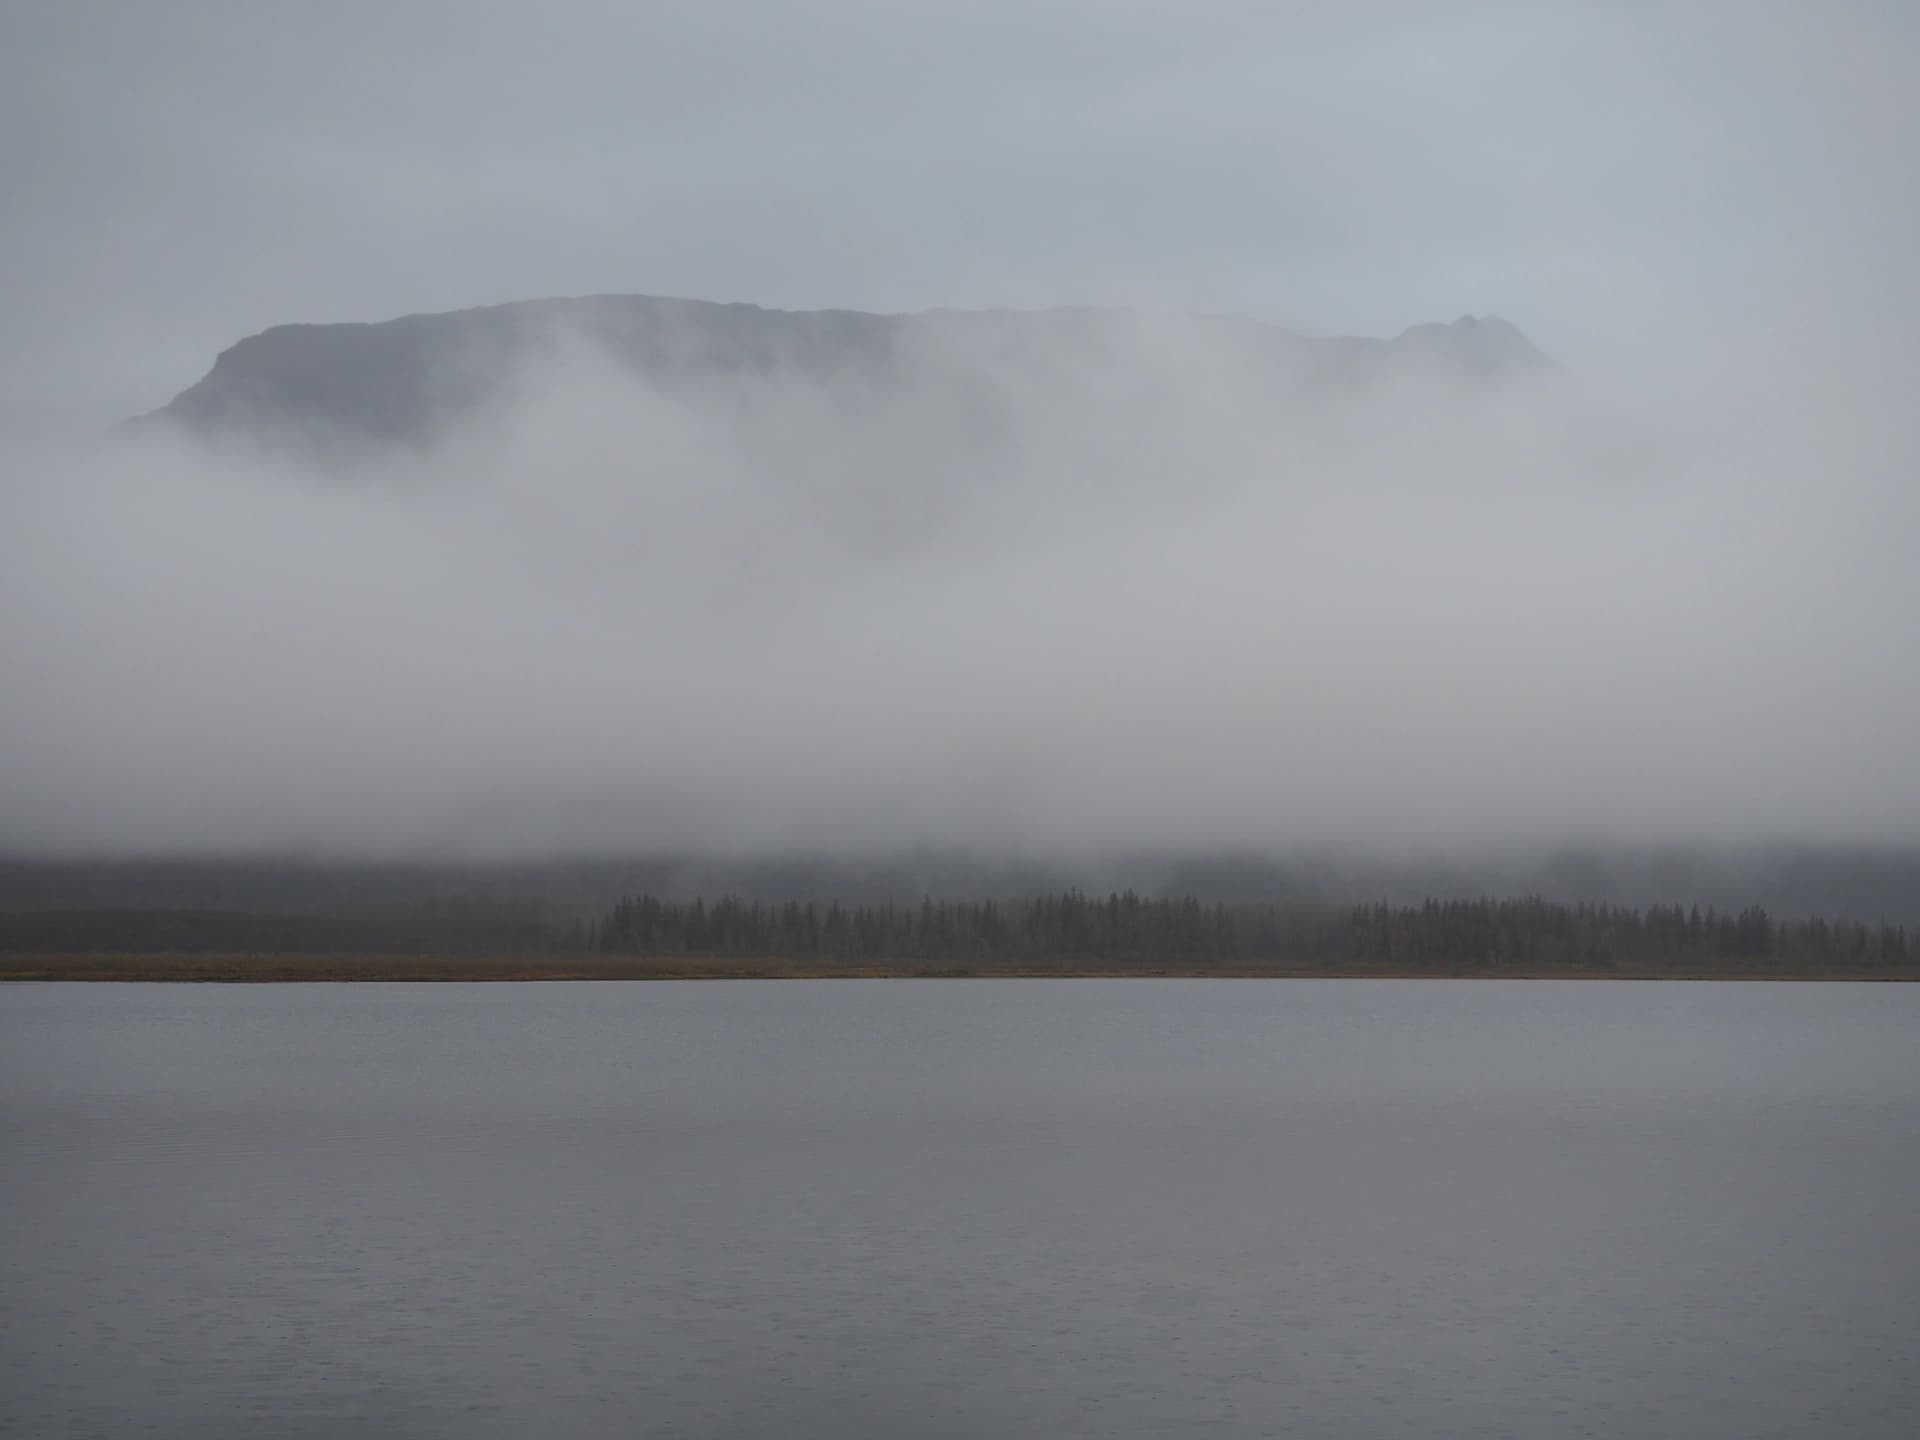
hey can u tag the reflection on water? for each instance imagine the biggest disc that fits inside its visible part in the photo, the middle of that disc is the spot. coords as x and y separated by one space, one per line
973 1208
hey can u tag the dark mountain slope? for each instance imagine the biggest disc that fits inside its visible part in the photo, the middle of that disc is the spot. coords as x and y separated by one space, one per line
400 382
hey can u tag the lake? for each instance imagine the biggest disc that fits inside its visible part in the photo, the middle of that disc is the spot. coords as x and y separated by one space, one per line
971 1208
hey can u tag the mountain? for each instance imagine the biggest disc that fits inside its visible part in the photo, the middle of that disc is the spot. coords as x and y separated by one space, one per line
1482 344
402 382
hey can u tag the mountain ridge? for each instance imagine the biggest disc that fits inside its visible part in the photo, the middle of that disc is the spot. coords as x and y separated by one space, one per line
401 381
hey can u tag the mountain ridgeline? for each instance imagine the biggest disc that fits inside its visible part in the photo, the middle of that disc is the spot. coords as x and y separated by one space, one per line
346 389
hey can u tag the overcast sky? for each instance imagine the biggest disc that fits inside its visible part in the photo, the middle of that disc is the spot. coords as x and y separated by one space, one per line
1637 185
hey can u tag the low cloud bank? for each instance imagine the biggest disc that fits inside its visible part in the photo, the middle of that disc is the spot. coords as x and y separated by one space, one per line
1147 595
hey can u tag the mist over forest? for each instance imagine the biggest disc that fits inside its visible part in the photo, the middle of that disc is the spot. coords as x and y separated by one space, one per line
1136 583
1575 519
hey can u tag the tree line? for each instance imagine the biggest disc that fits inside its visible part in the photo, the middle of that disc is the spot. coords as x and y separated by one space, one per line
1127 929
1065 931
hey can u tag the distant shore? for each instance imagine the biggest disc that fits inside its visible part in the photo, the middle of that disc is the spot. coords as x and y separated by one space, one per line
467 969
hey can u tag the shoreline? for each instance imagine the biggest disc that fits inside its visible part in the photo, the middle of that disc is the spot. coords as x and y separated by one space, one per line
237 969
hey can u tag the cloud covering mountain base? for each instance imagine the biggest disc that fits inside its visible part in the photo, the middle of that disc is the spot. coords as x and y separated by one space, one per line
1149 594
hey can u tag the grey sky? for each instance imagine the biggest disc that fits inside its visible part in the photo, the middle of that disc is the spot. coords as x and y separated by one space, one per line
1638 185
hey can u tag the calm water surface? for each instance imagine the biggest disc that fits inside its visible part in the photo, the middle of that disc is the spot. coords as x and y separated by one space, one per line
973 1208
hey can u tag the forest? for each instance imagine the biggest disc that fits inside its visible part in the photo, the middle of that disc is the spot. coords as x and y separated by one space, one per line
1068 932
1122 931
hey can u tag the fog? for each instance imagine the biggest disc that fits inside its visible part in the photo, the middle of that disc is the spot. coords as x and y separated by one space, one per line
1140 594
1145 593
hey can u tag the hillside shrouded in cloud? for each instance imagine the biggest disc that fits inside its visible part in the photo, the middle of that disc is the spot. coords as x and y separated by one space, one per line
1137 589
1114 579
